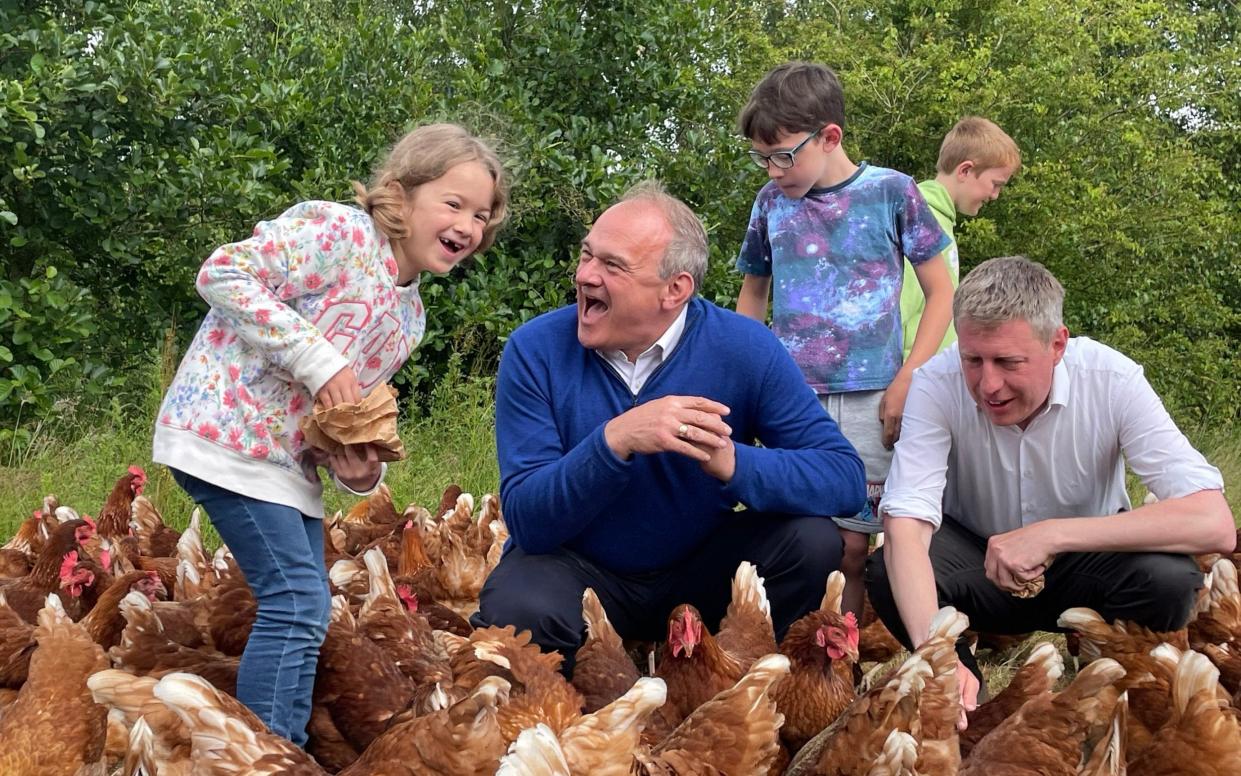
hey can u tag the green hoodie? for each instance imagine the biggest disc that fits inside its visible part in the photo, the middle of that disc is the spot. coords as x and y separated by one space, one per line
912 300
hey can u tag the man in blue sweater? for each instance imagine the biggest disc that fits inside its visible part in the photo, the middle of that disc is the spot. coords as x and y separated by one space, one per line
626 427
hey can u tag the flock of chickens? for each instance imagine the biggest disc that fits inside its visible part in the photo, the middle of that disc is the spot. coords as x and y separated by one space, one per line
120 638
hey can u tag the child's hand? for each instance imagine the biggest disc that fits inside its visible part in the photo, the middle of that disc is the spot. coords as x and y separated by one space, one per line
892 408
340 387
357 466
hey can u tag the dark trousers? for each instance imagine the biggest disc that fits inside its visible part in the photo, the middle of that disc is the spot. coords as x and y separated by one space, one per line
1154 589
543 593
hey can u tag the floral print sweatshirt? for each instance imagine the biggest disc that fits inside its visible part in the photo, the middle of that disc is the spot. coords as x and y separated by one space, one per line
311 292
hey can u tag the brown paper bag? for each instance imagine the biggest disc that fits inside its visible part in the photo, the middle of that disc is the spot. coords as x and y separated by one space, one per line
370 421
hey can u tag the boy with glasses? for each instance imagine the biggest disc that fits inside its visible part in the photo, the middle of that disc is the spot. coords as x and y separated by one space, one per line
835 235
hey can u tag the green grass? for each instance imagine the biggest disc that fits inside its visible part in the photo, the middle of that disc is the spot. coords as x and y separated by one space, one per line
449 440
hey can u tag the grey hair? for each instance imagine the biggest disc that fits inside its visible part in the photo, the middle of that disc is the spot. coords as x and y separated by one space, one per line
687 248
1011 288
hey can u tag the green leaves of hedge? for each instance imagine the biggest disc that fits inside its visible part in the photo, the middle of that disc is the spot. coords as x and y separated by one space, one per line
134 138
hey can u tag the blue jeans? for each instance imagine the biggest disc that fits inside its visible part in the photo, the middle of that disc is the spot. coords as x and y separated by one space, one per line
280 551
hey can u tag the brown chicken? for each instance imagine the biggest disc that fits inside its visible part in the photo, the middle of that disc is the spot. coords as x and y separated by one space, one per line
166 742
82 582
357 682
468 668
1220 622
917 698
405 637
28 595
822 648
1227 658
370 519
145 649
695 668
155 538
1148 679
30 535
540 692
464 739
227 612
113 519
54 726
737 731
221 742
104 622
851 743
16 645
326 743
939 706
1042 669
1109 755
1202 737
746 632
603 670
1051 734
14 563
603 743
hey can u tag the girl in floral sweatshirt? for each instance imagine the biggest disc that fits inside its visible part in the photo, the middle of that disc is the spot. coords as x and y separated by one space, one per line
319 303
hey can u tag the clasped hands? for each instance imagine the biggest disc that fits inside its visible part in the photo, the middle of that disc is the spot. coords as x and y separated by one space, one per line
687 425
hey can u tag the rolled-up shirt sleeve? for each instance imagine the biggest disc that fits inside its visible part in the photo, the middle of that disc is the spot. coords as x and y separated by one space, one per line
919 471
1156 450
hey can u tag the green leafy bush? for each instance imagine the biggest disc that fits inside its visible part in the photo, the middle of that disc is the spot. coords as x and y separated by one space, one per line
137 137
43 320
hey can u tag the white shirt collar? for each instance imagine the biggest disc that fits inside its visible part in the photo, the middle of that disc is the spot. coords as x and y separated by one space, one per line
636 372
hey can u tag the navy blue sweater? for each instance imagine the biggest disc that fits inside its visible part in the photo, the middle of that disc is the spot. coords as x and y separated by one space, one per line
562 486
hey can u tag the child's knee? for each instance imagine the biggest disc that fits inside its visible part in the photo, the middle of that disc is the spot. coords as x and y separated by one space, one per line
856 550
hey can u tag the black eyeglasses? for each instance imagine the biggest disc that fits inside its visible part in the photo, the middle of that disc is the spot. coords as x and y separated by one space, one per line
782 159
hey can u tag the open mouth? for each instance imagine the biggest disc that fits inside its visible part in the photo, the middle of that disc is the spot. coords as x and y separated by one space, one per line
997 405
451 245
592 309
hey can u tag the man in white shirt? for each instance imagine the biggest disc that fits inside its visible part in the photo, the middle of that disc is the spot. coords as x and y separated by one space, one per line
1010 470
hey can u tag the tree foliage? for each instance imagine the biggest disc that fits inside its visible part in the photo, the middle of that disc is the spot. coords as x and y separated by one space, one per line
137 136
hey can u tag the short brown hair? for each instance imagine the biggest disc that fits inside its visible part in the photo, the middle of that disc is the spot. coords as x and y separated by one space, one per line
975 139
793 97
421 156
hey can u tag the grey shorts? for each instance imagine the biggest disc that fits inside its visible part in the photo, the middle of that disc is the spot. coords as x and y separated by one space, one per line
857 414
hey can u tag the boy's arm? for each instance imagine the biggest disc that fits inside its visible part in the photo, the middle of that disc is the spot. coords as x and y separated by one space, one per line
752 301
936 286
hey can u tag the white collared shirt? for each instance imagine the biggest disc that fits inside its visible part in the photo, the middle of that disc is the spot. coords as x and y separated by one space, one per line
636 373
1068 462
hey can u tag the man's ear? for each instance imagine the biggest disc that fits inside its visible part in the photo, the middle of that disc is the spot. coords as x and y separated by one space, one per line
1059 341
678 291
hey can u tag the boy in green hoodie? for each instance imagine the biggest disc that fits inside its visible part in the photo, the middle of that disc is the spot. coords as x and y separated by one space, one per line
976 159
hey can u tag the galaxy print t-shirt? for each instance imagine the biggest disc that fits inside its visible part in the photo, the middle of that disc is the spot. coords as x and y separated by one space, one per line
837 257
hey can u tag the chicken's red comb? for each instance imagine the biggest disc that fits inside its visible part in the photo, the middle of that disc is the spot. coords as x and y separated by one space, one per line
89 520
68 563
140 479
407 596
850 620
